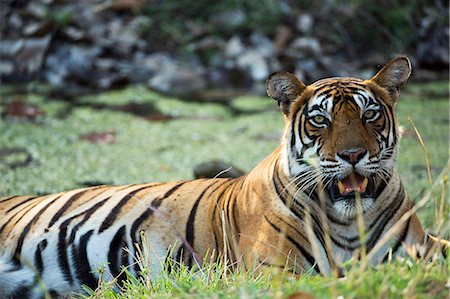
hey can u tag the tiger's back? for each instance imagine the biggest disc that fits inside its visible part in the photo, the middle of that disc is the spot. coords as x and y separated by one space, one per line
79 230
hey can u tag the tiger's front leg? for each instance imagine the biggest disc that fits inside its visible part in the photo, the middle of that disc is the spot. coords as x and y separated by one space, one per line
420 244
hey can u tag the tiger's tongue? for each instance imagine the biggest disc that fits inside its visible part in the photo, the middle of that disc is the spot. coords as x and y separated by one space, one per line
353 183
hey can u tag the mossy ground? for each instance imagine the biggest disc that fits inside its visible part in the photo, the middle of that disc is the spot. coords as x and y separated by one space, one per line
244 134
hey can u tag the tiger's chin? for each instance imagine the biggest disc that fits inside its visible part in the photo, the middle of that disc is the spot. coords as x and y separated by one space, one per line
351 195
348 209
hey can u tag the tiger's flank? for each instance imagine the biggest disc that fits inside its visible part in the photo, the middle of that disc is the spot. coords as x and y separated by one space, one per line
329 192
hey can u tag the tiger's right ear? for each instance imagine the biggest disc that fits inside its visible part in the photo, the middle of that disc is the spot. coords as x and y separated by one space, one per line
285 88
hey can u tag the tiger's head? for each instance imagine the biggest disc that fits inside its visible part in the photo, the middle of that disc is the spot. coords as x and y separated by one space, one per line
341 134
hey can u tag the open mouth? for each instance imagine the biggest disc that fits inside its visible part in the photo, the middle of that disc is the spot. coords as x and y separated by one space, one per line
353 183
348 187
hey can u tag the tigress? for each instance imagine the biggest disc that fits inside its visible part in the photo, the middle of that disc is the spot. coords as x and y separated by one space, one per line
302 208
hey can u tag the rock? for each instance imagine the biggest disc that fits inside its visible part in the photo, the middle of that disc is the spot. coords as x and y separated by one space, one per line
105 64
71 60
36 10
181 82
121 5
27 55
262 44
307 68
337 66
305 47
231 19
432 52
253 62
173 79
74 33
110 79
6 68
234 47
11 47
217 169
304 23
15 22
38 29
125 35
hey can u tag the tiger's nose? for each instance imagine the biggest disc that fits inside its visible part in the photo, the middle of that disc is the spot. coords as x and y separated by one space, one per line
352 155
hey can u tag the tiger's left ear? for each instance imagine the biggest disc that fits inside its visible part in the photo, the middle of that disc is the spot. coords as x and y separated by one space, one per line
393 75
285 88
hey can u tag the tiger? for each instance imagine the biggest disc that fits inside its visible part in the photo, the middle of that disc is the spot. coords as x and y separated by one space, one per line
305 207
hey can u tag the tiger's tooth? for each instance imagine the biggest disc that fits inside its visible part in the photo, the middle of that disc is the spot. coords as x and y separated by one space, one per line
364 185
341 187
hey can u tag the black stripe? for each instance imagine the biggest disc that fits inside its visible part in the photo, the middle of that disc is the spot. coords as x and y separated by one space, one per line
172 190
62 248
115 251
8 198
381 187
389 207
149 211
191 220
81 262
17 252
337 221
20 292
20 203
345 246
219 198
309 258
38 256
87 213
109 220
283 192
384 219
30 207
53 294
66 206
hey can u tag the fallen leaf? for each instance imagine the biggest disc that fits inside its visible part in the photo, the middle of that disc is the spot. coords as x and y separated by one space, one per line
21 109
99 137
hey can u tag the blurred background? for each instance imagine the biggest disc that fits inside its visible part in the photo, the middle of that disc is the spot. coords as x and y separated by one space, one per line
128 91
214 49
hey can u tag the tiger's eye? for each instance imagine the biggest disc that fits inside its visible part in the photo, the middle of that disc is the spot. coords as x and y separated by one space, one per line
369 114
320 119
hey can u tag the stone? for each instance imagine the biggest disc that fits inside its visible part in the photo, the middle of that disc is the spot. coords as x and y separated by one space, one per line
304 47
234 47
253 62
304 23
217 169
27 55
70 60
170 78
6 68
231 19
262 44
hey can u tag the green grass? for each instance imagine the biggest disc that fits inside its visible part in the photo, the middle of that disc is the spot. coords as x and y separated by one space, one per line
161 151
396 279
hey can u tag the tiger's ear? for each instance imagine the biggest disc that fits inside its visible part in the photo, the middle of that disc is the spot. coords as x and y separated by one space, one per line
393 75
285 88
